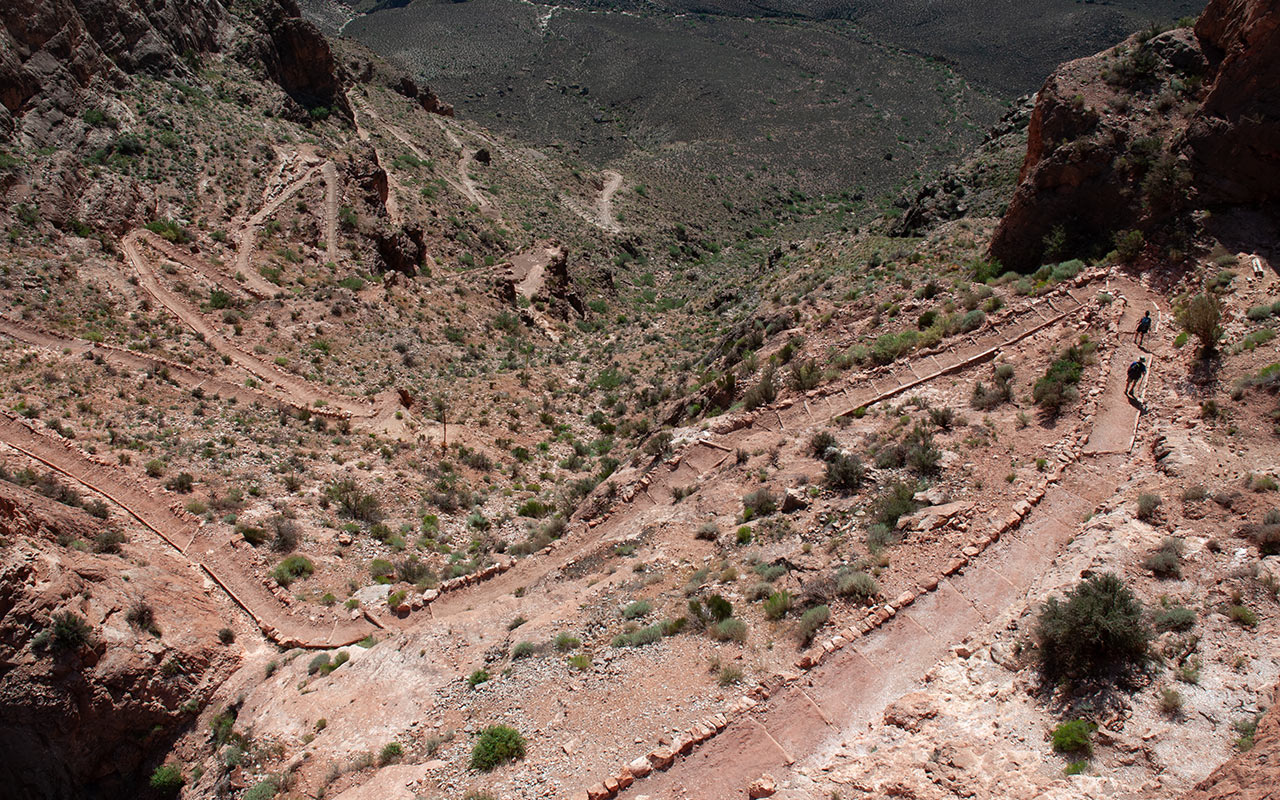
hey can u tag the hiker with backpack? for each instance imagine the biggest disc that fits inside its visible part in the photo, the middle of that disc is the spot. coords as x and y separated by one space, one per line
1144 325
1136 371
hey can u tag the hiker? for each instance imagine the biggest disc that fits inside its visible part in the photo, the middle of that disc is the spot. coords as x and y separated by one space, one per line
1144 325
1136 370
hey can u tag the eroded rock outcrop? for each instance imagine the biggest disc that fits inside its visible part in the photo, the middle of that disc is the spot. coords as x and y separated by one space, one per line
1132 138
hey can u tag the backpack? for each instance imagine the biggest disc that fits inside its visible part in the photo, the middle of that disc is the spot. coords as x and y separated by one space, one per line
1136 370
1144 325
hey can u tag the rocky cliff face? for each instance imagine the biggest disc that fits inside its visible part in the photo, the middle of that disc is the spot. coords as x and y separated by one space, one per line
52 53
1130 139
87 719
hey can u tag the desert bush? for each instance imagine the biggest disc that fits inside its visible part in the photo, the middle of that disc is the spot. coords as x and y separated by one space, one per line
1174 618
108 541
985 398
1166 560
1057 389
1170 702
69 632
759 503
522 650
565 642
497 744
181 483
354 500
730 630
777 605
718 608
226 635
822 444
897 500
1097 632
287 534
142 617
413 570
810 622
391 751
1193 494
478 677
844 473
292 568
730 675
167 779
637 609
805 375
1243 616
857 585
639 638
707 531
764 391
1074 736
1148 505
1202 318
317 663
892 346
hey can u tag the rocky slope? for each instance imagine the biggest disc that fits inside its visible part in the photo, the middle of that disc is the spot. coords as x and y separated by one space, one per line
1252 775
1132 139
85 715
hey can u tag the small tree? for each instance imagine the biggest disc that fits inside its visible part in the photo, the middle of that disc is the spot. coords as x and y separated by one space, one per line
1202 318
1096 632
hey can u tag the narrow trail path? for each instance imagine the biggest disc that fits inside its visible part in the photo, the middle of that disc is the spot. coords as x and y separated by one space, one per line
299 389
181 374
330 173
222 557
1118 423
604 203
247 234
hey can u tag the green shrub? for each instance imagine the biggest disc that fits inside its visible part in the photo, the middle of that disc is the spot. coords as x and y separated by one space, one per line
496 745
892 346
1174 618
822 443
1170 702
262 790
69 631
719 608
732 629
1202 318
857 585
391 751
1243 616
476 678
566 642
167 779
1074 736
897 500
292 568
760 503
1057 389
522 650
777 605
637 609
1148 505
1098 632
810 622
844 473
638 638
318 662
1165 561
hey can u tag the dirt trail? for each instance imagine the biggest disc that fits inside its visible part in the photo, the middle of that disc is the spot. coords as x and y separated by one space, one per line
132 360
1118 421
247 234
198 265
330 172
604 203
216 554
299 389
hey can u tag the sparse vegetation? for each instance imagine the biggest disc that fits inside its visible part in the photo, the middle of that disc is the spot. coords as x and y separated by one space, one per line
496 744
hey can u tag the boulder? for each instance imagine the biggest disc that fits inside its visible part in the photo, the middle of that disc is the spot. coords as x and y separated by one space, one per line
764 786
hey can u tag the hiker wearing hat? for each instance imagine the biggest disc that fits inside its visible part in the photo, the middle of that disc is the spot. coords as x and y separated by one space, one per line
1136 370
1144 325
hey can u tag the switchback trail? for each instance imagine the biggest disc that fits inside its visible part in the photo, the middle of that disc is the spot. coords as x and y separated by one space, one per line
220 556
